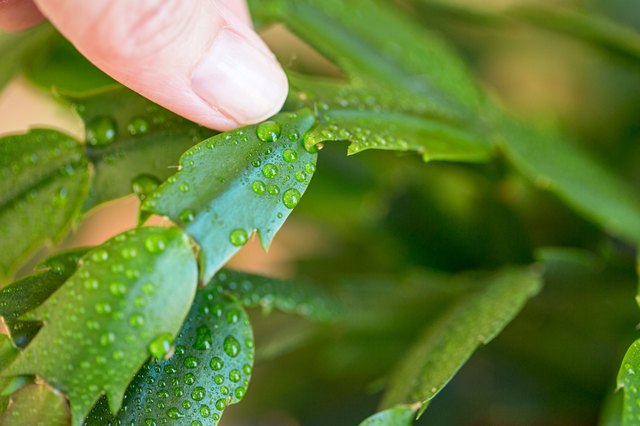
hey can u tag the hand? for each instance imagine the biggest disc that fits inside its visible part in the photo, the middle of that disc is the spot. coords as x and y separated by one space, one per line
199 58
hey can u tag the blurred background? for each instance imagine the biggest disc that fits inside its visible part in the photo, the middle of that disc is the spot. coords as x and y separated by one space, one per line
385 232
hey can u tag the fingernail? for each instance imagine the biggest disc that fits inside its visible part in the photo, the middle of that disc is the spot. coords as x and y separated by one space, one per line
241 80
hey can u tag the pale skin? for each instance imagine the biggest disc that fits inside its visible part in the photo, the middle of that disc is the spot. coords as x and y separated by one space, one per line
198 58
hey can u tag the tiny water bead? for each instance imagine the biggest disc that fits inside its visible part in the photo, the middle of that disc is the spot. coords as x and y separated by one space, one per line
258 187
291 198
216 363
293 135
231 346
100 255
310 168
198 393
238 237
289 155
203 338
155 243
191 362
101 131
161 345
270 171
138 126
184 187
301 176
187 216
273 189
269 131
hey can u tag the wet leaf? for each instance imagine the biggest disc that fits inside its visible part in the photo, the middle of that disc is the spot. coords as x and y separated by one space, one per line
402 415
133 143
446 345
232 184
37 405
44 182
100 325
629 381
209 370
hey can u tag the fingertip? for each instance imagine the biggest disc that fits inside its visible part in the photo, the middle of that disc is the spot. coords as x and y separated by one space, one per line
18 15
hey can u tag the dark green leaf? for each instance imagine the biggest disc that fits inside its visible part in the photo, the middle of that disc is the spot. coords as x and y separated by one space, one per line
268 293
14 47
129 295
133 143
209 371
232 184
8 353
447 344
402 415
555 164
629 379
59 65
44 182
37 405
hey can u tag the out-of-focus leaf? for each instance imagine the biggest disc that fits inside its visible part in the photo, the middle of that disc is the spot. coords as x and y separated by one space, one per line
127 299
232 184
44 182
58 65
448 343
133 143
629 379
555 164
14 47
597 31
269 293
209 370
402 415
37 405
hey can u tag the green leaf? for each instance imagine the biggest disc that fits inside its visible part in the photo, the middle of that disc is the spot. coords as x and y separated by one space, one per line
127 293
232 184
133 143
629 380
14 47
402 415
447 344
598 31
555 164
58 65
44 182
382 119
269 293
209 371
8 353
37 405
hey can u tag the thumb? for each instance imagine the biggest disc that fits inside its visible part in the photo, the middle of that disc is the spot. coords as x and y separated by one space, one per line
198 58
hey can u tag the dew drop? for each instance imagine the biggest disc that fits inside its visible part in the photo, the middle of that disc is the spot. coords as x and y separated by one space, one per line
197 394
203 338
187 215
310 168
189 379
258 187
184 187
293 135
100 255
155 243
138 126
233 316
191 362
231 346
291 198
205 411
221 404
269 131
161 345
117 288
301 176
289 155
216 363
270 171
101 131
136 320
174 413
238 237
234 375
273 189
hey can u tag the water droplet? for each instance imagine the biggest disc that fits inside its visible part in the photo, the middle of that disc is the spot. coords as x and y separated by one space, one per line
203 338
273 189
161 345
136 320
107 339
196 423
118 355
129 252
269 131
234 375
231 346
184 187
99 255
233 316
256 163
117 288
218 379
239 392
293 135
148 288
301 176
189 379
191 362
143 185
101 131
186 404
291 198
138 126
221 404
289 155
198 393
270 171
187 216
216 363
174 413
258 187
91 284
155 243
238 237
205 411
310 168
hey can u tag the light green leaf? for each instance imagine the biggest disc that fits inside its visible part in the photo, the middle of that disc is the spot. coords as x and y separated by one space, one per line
133 143
269 293
44 182
14 47
129 292
402 415
629 379
37 405
209 371
8 353
232 184
446 345
555 164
